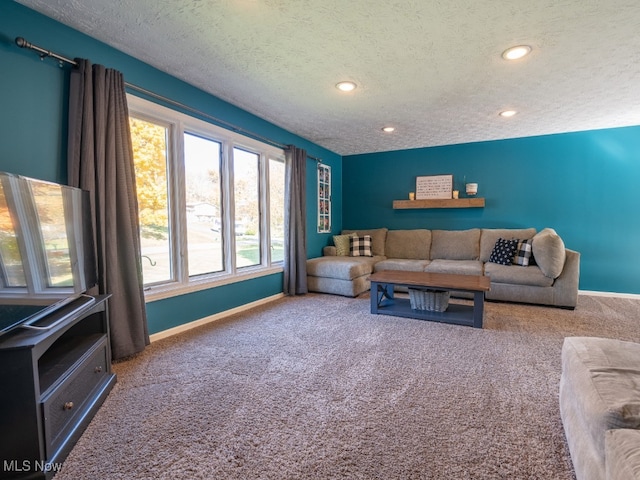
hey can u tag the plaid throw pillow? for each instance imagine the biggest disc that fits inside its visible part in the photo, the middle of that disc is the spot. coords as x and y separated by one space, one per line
524 253
360 246
504 251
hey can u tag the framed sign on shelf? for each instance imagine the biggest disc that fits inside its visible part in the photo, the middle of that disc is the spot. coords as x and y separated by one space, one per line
324 198
434 186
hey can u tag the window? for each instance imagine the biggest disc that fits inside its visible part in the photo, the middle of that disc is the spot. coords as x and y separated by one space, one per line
276 191
202 158
247 201
211 201
151 147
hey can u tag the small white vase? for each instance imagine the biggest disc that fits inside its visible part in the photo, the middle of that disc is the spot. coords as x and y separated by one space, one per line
472 188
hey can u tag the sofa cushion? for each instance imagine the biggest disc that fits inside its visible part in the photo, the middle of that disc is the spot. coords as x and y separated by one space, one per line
530 276
329 251
345 268
342 244
504 252
524 253
460 267
405 265
378 238
360 246
599 385
455 244
549 252
622 454
490 236
408 244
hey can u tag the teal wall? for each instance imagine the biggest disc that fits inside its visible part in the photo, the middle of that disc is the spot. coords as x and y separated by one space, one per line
33 119
182 309
585 185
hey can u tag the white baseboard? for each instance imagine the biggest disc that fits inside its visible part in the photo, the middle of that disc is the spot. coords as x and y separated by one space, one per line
212 318
633 296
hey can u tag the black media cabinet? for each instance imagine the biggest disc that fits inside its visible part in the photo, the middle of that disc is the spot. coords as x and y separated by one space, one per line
52 382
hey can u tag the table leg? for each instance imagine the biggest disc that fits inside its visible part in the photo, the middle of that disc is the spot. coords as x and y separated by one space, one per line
478 309
378 292
374 297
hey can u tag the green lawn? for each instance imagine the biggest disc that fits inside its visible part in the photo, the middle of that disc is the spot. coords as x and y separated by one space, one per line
251 254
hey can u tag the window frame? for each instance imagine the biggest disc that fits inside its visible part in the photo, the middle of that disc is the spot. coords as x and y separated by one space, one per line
178 124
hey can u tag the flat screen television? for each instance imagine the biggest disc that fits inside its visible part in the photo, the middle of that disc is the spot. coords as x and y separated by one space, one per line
47 255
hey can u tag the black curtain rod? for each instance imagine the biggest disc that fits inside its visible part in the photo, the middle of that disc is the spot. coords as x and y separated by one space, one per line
22 43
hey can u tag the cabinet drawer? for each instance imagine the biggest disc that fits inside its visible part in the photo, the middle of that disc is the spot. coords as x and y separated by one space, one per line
72 397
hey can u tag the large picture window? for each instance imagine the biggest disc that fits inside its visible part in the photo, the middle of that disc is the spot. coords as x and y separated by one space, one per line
211 201
202 158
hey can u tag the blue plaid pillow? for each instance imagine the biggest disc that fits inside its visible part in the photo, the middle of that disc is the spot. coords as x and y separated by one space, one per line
504 251
360 246
524 253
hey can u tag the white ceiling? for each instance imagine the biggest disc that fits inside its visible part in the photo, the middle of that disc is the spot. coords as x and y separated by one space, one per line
431 68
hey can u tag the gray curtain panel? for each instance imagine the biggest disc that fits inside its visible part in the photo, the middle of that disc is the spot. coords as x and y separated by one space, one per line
100 160
295 221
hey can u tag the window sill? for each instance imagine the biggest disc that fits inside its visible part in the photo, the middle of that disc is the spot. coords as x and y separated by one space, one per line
160 292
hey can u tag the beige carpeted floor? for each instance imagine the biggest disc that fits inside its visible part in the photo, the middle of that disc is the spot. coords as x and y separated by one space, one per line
316 387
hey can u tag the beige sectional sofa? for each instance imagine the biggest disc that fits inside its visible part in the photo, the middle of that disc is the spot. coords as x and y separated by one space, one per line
553 280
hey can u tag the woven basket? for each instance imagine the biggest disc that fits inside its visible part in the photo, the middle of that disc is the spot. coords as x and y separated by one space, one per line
431 300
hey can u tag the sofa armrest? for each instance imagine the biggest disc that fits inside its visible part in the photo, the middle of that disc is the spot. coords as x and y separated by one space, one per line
329 251
566 285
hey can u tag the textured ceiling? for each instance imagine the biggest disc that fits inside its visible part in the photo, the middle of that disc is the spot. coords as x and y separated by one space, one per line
431 68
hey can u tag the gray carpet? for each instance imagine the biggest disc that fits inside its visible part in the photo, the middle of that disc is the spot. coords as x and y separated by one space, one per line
315 387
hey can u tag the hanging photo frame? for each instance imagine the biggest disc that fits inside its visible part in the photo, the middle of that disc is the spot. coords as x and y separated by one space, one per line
324 198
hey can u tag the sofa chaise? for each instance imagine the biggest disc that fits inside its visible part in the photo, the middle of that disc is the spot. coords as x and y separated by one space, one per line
545 271
600 407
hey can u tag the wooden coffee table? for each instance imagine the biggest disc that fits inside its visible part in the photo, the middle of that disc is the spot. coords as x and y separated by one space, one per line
384 302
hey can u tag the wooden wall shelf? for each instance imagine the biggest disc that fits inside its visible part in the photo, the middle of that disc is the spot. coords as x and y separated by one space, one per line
474 202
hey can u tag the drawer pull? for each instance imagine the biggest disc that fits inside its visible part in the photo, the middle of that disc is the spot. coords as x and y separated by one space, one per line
68 405
98 369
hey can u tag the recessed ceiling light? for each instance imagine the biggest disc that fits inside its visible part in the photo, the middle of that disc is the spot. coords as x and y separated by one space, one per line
388 129
346 86
507 113
514 53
